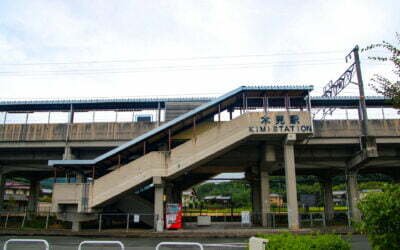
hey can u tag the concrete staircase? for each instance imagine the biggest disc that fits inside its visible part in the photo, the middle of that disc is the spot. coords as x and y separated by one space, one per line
195 152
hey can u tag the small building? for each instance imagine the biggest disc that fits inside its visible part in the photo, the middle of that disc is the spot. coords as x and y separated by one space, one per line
276 199
339 197
16 196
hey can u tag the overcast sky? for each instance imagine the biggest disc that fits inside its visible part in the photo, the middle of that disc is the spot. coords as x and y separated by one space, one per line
71 49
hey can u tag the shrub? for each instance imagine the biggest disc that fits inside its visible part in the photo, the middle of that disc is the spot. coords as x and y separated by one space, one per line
305 242
381 217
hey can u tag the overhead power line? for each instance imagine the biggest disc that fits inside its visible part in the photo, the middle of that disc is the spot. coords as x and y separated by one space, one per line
173 68
172 58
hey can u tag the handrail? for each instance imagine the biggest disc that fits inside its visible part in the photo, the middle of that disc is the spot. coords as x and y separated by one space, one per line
44 242
99 242
230 245
179 244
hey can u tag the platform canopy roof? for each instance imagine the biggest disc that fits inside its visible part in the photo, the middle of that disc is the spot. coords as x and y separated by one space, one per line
94 104
124 104
350 101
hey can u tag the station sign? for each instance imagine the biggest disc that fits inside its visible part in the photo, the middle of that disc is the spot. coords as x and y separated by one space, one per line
281 122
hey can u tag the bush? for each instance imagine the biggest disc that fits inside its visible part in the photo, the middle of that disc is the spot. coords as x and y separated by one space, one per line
305 242
381 217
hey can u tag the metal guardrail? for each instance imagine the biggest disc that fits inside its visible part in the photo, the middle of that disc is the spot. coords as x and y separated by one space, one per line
195 244
99 242
130 221
26 241
122 246
313 217
227 245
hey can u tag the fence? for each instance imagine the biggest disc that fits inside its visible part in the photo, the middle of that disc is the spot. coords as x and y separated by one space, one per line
276 219
49 221
127 221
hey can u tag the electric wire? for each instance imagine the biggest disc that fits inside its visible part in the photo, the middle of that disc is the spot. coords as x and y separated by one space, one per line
170 68
173 58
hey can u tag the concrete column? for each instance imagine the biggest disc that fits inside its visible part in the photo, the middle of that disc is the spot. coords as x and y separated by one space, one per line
268 158
254 180
256 202
353 196
159 203
33 196
68 155
326 183
76 226
290 175
265 203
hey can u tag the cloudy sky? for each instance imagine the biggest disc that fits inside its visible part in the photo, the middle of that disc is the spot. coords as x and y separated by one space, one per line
71 49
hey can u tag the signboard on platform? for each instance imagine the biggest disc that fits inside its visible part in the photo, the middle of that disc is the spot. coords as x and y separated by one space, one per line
136 218
283 123
245 218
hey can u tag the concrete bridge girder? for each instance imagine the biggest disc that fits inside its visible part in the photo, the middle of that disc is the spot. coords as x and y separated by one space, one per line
313 155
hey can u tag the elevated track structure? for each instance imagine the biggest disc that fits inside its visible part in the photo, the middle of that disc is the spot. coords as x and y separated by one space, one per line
142 163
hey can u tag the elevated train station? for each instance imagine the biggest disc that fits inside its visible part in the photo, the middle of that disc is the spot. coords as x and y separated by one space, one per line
261 131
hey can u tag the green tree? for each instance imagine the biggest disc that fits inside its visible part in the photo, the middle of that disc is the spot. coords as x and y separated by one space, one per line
238 190
381 84
381 218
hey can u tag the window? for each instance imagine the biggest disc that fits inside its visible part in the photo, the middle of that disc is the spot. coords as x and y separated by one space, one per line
144 118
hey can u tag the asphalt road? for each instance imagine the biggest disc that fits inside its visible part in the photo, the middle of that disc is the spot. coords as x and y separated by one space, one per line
67 243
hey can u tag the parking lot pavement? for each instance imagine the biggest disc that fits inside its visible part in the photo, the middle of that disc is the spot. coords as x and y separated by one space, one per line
358 242
69 243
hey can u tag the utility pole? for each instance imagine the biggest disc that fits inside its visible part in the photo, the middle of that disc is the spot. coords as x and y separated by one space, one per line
368 143
363 105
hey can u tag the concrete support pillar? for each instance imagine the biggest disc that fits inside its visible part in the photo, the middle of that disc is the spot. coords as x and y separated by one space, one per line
268 158
2 184
34 191
290 175
256 201
326 183
353 196
265 203
76 226
158 203
68 155
255 193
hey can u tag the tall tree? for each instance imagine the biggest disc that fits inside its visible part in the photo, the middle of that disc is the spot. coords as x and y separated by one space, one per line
381 84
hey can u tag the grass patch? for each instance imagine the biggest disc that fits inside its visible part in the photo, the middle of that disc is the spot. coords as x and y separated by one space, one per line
304 242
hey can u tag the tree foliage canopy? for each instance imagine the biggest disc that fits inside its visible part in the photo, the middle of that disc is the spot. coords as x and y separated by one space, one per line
382 84
381 218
